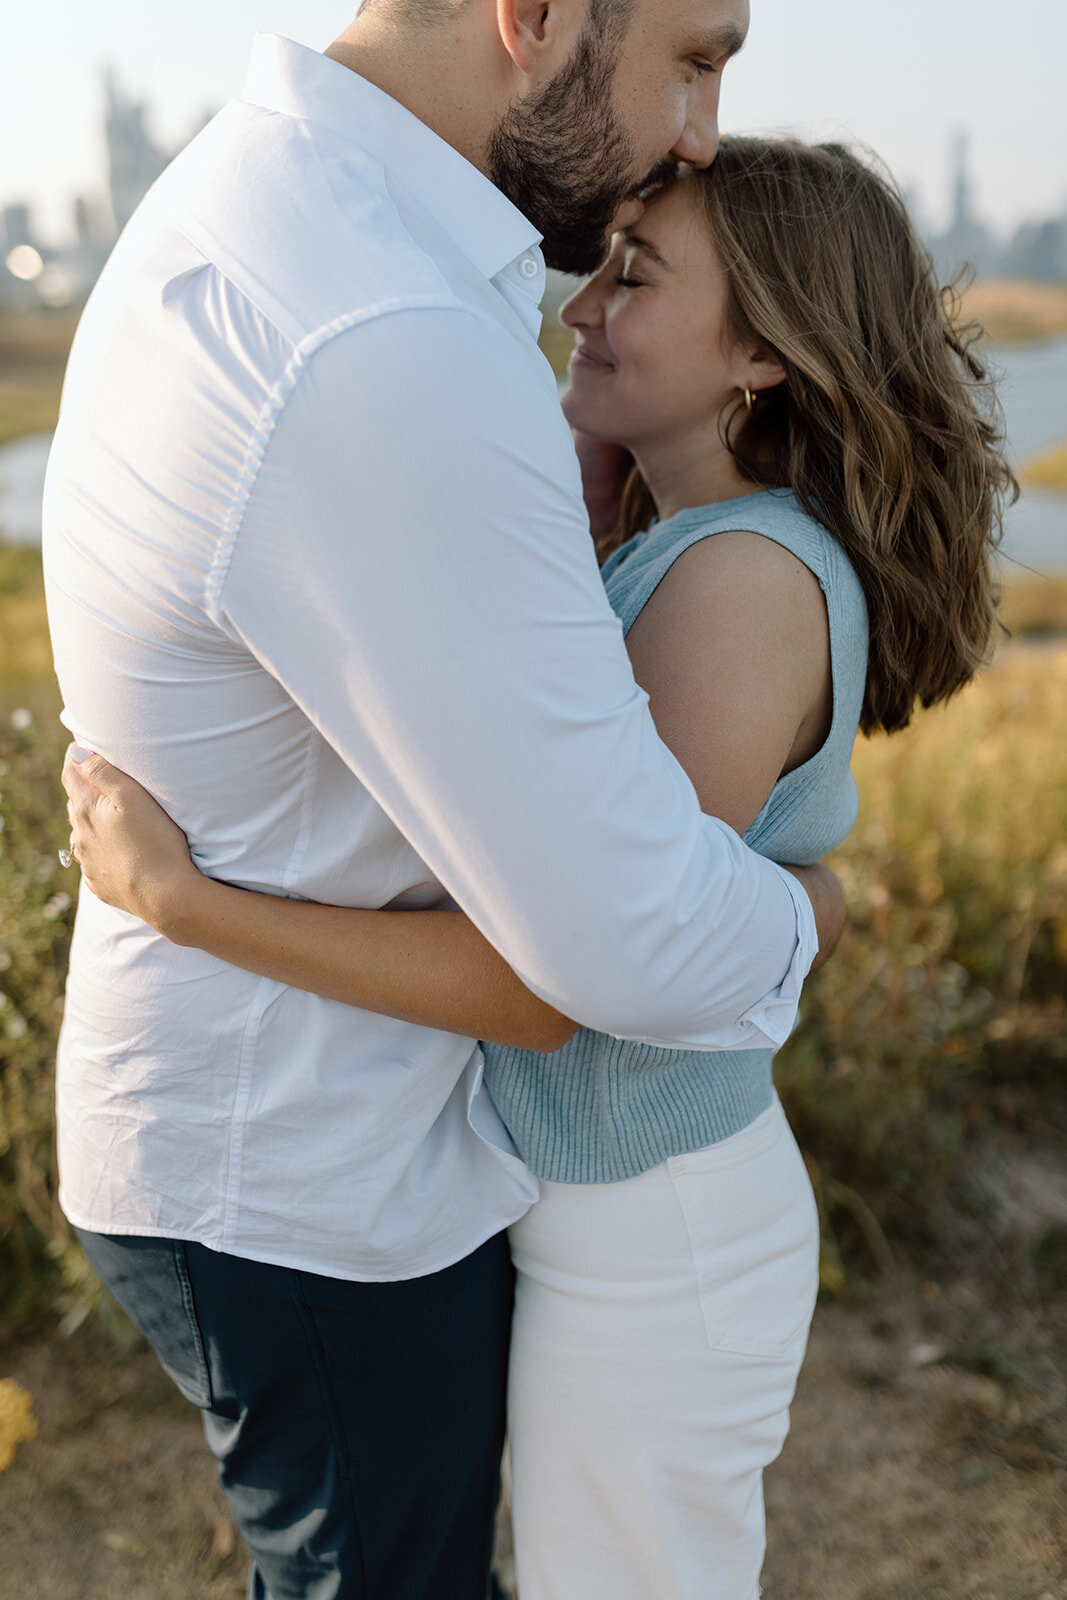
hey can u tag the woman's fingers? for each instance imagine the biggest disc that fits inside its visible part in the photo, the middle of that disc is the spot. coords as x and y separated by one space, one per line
90 778
87 782
130 852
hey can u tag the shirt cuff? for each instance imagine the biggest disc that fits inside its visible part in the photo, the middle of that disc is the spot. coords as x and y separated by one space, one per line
771 1020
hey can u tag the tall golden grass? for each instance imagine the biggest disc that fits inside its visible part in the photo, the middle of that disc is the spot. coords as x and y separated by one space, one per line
941 1024
1047 470
1016 310
938 1029
33 355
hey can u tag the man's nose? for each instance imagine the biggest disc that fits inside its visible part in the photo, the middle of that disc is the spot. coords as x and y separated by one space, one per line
699 143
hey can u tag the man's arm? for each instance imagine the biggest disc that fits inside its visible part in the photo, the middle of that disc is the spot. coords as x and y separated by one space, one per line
433 605
429 967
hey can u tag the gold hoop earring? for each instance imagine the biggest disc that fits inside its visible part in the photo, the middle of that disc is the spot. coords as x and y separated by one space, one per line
750 398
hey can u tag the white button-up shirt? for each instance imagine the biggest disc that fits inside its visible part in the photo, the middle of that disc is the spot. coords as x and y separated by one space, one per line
319 574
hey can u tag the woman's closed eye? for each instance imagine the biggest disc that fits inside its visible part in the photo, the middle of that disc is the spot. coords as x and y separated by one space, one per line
626 280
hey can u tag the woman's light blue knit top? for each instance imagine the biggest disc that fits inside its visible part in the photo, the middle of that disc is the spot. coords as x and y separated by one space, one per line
602 1109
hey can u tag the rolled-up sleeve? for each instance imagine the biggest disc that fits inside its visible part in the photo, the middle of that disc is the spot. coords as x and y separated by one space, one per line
435 609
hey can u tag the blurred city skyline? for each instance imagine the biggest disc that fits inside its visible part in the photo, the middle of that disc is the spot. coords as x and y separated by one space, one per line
906 80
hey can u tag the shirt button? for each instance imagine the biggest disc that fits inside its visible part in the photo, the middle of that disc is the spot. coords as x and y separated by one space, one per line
528 267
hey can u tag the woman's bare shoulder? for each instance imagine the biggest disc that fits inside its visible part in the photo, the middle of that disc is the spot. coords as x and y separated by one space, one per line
733 648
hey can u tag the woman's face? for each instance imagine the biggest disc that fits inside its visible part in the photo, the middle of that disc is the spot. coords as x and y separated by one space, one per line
652 358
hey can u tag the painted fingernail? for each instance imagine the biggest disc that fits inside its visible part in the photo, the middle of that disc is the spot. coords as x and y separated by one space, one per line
78 754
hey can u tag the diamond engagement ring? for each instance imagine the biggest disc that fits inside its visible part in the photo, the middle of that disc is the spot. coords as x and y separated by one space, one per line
66 858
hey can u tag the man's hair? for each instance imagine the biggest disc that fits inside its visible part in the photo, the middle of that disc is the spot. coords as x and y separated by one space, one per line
419 13
605 16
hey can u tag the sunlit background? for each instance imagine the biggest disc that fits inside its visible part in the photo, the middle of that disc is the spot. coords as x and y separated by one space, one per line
926 1083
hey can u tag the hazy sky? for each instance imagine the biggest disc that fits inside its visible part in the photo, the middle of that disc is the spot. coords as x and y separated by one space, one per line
902 75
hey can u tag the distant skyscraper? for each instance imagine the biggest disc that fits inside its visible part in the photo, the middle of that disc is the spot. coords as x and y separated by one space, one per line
83 221
963 217
135 161
15 228
966 244
1039 251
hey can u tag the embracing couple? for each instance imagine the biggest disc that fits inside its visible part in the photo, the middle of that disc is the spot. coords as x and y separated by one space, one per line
320 576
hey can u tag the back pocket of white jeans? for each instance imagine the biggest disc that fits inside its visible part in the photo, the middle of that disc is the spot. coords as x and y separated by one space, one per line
754 1235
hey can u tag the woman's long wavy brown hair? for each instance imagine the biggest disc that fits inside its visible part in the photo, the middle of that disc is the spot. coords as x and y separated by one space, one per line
886 427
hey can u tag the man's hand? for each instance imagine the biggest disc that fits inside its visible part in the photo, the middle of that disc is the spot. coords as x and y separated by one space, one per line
605 468
823 889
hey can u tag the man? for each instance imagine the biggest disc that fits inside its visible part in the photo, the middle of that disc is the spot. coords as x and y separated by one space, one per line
319 575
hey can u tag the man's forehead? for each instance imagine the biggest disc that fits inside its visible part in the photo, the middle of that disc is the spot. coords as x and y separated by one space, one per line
720 22
728 19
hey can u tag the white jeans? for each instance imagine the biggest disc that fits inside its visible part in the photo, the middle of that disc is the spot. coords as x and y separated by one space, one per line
660 1324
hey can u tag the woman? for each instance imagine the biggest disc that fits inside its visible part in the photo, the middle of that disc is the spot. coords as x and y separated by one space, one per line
807 426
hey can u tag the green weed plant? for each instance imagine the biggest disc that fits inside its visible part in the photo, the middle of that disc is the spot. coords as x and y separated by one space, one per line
36 914
940 1027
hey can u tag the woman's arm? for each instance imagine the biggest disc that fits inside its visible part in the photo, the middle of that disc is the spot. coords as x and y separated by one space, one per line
733 649
429 967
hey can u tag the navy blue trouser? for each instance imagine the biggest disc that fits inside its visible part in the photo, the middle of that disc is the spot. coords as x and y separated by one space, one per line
358 1427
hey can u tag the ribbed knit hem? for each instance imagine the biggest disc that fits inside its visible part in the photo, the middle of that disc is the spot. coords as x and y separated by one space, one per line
601 1110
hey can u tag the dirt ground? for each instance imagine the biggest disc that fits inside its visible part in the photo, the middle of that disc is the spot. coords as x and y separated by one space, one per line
927 1461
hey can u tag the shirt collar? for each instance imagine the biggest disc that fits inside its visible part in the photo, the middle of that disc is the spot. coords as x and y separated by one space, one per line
298 82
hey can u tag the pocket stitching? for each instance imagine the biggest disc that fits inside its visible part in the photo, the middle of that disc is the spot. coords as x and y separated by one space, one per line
727 1343
181 1270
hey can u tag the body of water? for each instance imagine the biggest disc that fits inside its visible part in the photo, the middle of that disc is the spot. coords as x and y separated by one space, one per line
1032 384
1033 390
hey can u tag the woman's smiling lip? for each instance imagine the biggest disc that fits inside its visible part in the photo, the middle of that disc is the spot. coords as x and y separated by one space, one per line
582 356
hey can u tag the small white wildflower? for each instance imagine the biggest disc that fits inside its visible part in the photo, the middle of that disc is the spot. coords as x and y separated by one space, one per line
57 905
16 1027
21 719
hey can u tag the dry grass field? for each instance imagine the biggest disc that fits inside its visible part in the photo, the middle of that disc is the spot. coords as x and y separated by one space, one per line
928 1459
1012 311
33 354
1047 470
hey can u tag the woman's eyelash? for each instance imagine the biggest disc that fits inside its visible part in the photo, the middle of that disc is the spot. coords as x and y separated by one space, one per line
626 282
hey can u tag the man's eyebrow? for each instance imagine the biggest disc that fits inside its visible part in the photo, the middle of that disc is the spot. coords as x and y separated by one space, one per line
724 41
647 247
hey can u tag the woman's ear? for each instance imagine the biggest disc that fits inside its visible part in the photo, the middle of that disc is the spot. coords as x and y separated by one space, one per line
765 368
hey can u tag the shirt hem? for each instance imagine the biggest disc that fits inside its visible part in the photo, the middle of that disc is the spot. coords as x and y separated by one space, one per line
450 1258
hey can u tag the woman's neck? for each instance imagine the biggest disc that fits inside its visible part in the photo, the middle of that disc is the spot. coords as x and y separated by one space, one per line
690 472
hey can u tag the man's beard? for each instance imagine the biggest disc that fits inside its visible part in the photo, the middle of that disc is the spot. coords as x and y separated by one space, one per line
564 158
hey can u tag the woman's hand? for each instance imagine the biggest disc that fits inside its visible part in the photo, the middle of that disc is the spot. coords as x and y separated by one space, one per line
130 852
605 468
429 967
